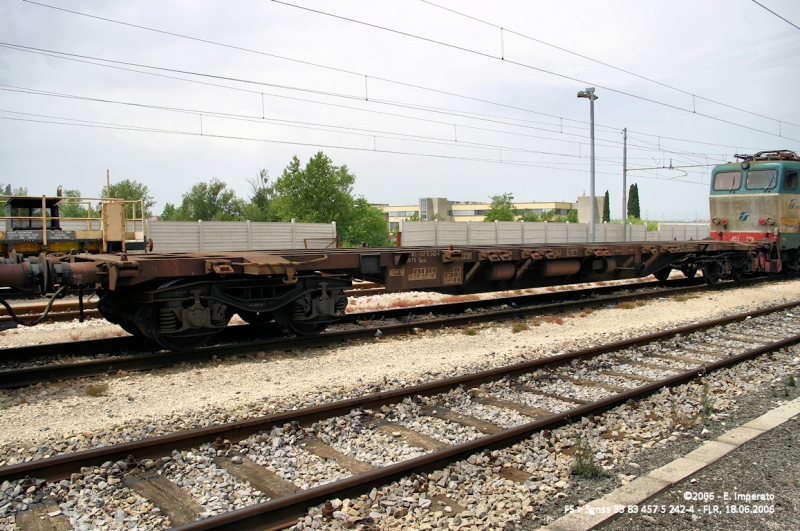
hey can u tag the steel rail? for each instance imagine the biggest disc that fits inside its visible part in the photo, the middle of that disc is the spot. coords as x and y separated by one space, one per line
284 511
15 378
237 333
126 343
59 467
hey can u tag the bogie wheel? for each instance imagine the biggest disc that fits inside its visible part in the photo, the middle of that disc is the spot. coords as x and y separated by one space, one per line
301 328
662 274
689 272
711 273
738 274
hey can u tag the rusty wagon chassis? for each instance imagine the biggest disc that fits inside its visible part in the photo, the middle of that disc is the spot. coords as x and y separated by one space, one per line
181 300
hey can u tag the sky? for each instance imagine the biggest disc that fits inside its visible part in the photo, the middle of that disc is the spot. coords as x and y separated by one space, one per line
442 98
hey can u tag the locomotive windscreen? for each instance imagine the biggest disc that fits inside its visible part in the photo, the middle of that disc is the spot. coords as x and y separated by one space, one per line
728 180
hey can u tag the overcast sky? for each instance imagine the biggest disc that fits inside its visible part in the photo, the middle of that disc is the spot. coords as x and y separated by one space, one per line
401 111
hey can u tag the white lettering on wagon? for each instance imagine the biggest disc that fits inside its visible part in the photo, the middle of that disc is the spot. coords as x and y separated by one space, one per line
423 273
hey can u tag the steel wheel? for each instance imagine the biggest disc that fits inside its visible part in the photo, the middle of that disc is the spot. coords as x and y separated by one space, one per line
662 274
711 273
301 328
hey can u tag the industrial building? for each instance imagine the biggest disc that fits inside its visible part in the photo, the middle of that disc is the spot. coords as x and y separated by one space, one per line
442 208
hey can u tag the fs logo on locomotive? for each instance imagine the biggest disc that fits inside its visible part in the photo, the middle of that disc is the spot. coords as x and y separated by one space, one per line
744 215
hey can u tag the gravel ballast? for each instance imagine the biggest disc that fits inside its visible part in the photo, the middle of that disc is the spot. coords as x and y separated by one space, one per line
64 417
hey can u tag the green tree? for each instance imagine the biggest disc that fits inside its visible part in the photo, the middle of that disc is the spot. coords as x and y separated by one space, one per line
318 193
71 209
211 201
170 213
131 190
321 192
572 217
366 224
260 207
530 216
550 215
501 208
21 190
633 202
606 209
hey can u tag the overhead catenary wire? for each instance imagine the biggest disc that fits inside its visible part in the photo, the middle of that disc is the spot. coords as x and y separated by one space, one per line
297 123
23 90
530 67
90 60
106 125
608 65
336 69
301 61
777 15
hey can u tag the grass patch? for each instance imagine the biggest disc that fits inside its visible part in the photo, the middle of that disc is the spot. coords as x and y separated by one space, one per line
519 327
96 389
585 463
640 303
681 298
790 380
470 332
625 305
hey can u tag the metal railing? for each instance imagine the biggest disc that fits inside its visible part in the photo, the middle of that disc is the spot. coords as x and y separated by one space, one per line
45 218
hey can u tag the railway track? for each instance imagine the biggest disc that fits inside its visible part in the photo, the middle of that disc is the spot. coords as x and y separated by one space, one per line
346 436
130 353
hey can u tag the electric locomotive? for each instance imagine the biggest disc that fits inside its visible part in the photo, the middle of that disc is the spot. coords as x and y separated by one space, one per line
757 200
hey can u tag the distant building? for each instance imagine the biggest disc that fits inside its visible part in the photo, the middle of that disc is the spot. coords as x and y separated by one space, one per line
429 207
585 205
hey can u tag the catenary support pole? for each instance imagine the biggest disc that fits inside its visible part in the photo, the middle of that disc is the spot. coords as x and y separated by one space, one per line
624 184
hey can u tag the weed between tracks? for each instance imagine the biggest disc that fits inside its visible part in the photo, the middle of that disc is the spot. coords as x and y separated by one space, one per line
585 462
470 332
519 327
707 401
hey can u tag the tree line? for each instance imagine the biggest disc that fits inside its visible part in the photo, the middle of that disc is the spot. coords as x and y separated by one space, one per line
318 192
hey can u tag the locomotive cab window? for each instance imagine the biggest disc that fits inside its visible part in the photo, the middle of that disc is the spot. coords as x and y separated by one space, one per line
728 180
790 181
761 179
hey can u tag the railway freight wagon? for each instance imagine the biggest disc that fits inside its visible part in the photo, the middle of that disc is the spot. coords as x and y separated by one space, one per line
181 300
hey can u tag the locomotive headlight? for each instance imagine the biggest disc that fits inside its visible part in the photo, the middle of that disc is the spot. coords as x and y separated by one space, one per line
724 221
770 221
715 221
761 221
